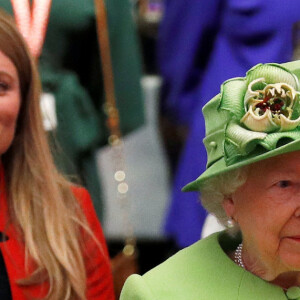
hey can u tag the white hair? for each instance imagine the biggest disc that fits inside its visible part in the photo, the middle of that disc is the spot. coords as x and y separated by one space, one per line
216 189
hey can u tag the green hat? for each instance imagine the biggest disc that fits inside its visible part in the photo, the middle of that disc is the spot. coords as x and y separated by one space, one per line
253 118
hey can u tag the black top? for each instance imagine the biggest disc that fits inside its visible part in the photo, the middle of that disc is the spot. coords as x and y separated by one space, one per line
5 292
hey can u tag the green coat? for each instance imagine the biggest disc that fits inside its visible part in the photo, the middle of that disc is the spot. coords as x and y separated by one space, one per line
202 271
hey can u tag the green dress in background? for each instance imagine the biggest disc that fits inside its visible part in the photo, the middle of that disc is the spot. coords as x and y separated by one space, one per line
70 69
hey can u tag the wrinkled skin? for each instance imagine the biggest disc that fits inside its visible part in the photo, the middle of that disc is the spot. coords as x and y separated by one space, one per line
267 209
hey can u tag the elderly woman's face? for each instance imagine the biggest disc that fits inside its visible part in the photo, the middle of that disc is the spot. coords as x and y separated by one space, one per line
267 209
10 101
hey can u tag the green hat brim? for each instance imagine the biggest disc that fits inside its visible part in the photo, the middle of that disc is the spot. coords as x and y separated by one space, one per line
220 167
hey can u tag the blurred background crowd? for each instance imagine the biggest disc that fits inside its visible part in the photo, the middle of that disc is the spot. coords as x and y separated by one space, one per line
169 58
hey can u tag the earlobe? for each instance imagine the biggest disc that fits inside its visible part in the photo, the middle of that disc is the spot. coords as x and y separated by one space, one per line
229 207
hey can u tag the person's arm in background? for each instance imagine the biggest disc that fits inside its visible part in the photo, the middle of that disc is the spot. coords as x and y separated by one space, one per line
187 36
185 40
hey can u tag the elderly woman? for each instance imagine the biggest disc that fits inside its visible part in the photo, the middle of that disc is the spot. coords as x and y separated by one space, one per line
51 243
252 185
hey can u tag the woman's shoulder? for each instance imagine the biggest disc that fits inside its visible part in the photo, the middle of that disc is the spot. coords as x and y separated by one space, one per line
80 193
202 271
185 273
86 204
99 277
85 201
185 261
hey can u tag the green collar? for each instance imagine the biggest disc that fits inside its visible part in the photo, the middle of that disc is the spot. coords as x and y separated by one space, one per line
204 271
245 282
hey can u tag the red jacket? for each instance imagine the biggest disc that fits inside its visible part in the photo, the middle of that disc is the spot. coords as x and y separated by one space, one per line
99 278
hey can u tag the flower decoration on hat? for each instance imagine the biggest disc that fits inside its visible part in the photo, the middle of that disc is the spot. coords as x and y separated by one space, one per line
270 109
262 111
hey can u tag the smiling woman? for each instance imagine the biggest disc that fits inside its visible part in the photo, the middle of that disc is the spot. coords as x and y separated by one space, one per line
52 245
10 101
252 185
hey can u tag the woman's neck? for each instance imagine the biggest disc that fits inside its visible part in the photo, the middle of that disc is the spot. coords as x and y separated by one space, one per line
284 280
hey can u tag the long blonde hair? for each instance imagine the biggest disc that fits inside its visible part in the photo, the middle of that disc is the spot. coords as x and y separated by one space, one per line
41 203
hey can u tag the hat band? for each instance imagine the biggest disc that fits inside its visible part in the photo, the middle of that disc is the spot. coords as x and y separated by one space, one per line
214 146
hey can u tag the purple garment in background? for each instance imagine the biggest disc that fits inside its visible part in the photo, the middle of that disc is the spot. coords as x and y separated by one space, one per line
202 43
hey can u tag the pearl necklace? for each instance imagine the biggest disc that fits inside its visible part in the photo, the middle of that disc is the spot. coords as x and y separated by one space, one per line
32 23
238 256
290 292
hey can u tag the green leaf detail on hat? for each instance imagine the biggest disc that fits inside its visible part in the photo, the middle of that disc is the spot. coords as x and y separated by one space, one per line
272 73
263 109
240 141
273 139
232 93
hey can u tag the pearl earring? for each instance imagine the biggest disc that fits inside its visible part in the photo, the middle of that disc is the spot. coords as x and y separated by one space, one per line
230 222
